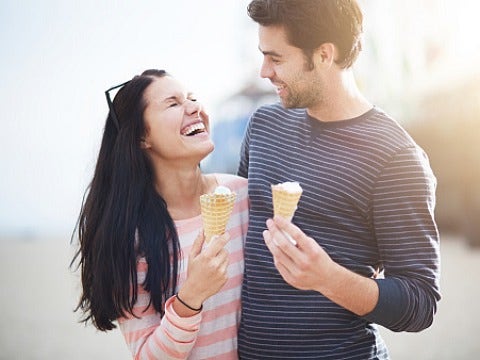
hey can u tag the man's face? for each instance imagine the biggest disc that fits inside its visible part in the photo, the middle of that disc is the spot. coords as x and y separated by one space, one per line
285 66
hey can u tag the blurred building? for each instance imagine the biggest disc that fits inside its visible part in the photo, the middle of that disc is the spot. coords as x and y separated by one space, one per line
228 131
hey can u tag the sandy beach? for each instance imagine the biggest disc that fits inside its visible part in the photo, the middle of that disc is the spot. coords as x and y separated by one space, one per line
39 294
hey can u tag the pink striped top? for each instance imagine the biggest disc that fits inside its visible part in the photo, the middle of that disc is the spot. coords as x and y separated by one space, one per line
211 334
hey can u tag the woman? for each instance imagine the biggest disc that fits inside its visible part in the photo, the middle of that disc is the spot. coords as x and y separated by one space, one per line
142 255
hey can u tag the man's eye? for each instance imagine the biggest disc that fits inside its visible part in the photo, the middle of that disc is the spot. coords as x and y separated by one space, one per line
173 104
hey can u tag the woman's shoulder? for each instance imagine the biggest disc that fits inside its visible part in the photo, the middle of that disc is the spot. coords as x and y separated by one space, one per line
233 182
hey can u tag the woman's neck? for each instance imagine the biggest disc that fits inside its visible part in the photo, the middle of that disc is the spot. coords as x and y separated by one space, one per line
181 190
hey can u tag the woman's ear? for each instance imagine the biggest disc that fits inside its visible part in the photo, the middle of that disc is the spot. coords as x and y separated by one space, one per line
144 144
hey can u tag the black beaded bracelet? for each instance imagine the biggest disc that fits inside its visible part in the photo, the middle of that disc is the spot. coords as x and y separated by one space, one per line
188 306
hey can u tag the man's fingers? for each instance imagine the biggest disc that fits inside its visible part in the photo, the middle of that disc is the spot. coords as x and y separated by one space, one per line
268 239
279 235
289 238
280 251
294 233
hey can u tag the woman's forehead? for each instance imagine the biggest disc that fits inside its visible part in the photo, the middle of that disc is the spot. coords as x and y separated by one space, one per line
165 87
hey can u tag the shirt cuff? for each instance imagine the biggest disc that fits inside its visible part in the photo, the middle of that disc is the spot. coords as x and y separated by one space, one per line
190 323
391 304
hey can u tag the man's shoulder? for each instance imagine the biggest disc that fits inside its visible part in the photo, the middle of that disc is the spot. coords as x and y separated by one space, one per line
275 115
276 110
382 125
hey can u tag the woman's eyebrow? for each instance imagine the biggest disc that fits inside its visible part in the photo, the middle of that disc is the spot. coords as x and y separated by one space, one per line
177 97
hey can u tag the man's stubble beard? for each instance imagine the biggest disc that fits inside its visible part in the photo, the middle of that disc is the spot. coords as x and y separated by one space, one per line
308 96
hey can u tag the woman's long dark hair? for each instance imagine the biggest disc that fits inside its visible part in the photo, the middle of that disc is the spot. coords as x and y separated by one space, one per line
123 217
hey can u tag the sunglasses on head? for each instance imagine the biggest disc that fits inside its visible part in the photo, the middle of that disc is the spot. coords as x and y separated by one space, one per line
110 103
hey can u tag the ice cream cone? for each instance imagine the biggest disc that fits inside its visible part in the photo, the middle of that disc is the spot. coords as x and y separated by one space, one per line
216 210
285 198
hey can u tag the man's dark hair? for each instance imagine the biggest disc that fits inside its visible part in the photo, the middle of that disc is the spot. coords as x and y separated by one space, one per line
311 23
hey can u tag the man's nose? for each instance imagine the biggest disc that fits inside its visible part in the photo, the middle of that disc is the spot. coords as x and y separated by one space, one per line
266 71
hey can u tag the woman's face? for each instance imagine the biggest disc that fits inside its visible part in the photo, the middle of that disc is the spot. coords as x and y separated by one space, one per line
177 128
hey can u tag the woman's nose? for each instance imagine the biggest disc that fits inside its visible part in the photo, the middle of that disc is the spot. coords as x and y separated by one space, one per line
193 107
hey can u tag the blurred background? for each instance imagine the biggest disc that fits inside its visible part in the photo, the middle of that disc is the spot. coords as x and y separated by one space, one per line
420 62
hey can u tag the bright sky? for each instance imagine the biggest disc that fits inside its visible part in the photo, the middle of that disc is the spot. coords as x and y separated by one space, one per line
58 57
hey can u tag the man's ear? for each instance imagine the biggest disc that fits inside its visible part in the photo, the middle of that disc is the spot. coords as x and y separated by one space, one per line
325 54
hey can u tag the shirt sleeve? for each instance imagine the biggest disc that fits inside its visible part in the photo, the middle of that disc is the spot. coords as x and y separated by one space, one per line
408 241
150 336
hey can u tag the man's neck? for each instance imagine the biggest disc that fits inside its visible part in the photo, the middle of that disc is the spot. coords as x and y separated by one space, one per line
343 100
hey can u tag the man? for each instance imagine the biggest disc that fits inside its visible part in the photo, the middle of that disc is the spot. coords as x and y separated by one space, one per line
367 244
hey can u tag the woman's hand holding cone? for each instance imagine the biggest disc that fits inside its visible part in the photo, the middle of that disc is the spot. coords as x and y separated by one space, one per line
206 273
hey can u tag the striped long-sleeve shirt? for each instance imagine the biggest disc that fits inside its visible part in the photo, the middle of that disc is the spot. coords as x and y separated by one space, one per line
368 200
211 334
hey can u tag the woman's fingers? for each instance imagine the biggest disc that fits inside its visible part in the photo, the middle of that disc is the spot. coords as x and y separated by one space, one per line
217 243
197 244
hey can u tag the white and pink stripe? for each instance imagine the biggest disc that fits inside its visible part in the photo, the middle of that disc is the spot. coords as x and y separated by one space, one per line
212 334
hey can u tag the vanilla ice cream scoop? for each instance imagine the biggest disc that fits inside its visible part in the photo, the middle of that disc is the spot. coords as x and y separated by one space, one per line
222 190
290 186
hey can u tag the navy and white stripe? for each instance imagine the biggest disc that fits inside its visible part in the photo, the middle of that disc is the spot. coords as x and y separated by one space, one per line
368 199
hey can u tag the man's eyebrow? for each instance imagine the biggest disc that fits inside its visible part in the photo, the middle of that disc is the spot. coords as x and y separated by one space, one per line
270 53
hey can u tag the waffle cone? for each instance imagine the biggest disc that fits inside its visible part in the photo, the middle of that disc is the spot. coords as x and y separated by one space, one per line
284 202
216 211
